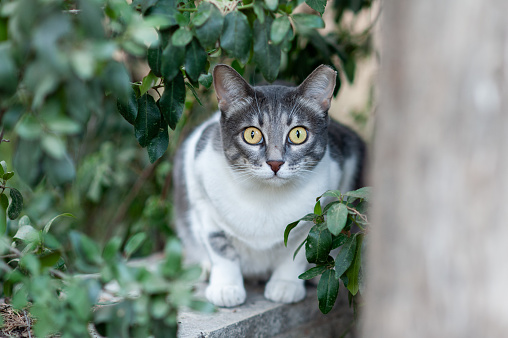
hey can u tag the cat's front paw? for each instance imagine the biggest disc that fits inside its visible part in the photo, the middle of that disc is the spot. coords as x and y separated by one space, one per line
283 291
225 295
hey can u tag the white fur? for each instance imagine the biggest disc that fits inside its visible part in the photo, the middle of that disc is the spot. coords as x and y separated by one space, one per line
254 213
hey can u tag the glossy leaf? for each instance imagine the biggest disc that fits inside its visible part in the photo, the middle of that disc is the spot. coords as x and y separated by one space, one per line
337 218
327 291
195 60
16 204
129 108
172 58
339 240
267 56
146 126
210 31
317 5
7 176
289 227
154 58
363 193
194 93
353 272
318 245
172 101
345 256
317 209
279 29
305 21
205 80
181 37
147 83
313 272
158 145
236 37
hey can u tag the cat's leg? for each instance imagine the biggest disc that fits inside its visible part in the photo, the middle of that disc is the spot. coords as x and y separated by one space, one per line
225 286
284 285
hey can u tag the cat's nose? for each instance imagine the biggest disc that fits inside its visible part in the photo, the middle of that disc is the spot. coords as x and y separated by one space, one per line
275 165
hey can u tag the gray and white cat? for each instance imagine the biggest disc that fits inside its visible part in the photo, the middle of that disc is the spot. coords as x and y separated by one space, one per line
255 166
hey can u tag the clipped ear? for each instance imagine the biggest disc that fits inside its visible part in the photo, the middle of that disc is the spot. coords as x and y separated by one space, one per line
231 89
319 86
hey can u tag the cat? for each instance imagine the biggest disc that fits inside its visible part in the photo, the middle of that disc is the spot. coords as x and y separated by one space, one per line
255 166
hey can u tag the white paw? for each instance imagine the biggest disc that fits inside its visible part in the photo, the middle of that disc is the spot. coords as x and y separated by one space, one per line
225 295
283 291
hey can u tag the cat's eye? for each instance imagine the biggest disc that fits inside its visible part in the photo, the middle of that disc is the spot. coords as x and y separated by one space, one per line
252 135
297 135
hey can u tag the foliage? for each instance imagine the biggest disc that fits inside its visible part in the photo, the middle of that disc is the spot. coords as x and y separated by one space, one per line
40 273
341 224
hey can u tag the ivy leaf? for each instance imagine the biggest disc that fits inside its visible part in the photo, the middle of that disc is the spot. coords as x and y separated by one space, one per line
181 37
353 273
336 218
146 126
345 256
266 55
209 32
16 204
327 291
236 37
318 245
158 145
279 29
172 58
172 101
317 5
195 60
4 204
134 243
313 272
154 58
129 109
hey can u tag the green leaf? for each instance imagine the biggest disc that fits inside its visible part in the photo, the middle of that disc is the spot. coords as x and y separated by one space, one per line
4 203
318 245
158 145
272 4
181 37
29 128
236 37
210 31
308 21
202 15
195 60
317 209
289 227
350 69
362 193
3 167
317 5
146 126
8 175
53 146
129 108
172 264
337 218
47 227
134 243
354 270
172 101
147 83
112 248
85 248
327 291
259 10
298 249
27 161
279 29
172 58
16 204
194 93
49 259
331 193
345 256
8 71
27 233
154 58
59 171
267 56
205 80
31 263
313 272
339 240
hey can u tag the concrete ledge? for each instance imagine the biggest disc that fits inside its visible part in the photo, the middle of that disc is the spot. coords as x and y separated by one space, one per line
259 317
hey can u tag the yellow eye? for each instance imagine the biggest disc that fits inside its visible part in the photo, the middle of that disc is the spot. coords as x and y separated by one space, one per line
297 135
252 135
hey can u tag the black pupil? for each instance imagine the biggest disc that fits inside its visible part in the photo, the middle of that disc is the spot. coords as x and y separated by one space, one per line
297 134
252 134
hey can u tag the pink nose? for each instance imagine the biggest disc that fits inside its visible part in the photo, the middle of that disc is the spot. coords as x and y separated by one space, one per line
275 165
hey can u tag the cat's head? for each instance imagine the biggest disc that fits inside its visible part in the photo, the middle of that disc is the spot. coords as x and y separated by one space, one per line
273 134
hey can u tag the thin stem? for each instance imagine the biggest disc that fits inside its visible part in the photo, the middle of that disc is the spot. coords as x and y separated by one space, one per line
251 5
188 9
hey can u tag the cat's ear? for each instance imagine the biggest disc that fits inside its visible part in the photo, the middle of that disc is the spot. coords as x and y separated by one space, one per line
230 87
319 86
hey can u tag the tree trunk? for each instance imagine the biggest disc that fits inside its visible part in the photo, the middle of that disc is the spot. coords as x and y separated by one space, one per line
438 260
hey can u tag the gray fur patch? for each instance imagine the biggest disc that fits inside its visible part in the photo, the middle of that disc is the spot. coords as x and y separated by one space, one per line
222 245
